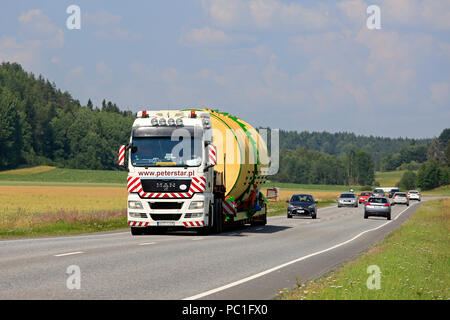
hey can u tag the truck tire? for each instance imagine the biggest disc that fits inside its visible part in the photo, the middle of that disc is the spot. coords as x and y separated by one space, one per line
217 226
137 231
263 221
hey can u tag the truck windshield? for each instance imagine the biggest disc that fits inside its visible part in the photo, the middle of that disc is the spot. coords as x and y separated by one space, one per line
163 151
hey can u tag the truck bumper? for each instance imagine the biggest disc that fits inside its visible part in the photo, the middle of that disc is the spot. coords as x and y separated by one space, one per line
173 213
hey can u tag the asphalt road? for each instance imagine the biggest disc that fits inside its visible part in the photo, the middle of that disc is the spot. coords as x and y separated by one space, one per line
242 263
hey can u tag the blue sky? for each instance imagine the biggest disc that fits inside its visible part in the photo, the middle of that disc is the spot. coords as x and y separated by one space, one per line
297 65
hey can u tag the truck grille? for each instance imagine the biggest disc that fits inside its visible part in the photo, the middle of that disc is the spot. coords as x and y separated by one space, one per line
166 185
159 217
165 205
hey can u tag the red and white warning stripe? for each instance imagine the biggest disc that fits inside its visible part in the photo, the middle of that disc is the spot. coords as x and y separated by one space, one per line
122 155
212 154
137 224
198 185
194 224
228 208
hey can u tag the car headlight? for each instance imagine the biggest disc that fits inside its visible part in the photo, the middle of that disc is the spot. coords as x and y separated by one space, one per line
196 205
135 204
311 207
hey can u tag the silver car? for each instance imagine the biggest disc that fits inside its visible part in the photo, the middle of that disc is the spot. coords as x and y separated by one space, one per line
347 199
377 206
414 195
400 197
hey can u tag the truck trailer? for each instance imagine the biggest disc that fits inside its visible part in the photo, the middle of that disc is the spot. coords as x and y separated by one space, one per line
194 169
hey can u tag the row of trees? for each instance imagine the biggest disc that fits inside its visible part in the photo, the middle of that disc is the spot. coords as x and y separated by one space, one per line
434 172
312 167
341 144
39 124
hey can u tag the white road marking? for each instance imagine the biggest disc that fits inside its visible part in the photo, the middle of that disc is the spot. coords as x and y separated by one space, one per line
195 239
146 243
233 284
68 254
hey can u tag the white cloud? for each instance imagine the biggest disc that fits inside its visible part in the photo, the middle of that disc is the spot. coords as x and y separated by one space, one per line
12 51
265 14
102 18
206 36
37 24
423 14
107 26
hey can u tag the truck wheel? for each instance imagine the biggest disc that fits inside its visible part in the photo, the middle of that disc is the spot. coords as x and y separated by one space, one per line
263 221
218 217
137 231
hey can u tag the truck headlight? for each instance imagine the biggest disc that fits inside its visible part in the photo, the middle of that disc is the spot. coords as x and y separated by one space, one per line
135 205
137 215
196 205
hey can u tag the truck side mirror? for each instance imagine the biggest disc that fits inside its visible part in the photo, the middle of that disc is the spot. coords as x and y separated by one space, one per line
122 155
212 155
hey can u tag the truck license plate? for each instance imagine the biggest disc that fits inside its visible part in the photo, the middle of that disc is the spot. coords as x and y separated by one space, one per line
165 223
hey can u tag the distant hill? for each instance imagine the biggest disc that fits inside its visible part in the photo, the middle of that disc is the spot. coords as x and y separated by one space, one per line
341 143
41 125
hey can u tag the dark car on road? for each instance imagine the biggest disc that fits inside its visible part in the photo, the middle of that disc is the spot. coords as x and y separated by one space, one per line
377 206
379 192
302 204
392 192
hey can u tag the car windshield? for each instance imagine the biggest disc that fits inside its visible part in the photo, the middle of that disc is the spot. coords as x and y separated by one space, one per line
302 198
378 191
378 200
365 194
400 194
413 192
163 151
347 195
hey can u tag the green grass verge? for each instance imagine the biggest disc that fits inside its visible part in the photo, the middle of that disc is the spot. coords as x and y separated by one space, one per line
414 261
60 224
67 176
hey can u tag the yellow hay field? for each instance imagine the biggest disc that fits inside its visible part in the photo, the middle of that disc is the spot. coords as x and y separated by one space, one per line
52 199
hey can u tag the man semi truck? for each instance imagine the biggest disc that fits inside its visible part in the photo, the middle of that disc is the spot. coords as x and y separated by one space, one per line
194 169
